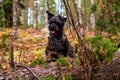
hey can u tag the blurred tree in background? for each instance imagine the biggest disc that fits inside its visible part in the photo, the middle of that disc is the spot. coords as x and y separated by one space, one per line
6 13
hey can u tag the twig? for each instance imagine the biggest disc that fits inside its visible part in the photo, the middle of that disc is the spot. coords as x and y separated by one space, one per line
18 65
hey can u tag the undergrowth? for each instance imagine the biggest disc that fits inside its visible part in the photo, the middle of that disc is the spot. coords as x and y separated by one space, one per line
104 48
62 62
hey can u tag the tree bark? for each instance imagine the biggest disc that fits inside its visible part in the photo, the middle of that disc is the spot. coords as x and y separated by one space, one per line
80 9
85 14
3 16
47 5
59 7
15 18
92 18
45 15
11 61
77 5
35 15
26 14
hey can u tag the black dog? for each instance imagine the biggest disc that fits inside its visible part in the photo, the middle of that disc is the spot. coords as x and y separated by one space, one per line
58 43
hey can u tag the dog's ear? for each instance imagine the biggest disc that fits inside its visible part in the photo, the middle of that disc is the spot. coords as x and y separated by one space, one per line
62 18
50 15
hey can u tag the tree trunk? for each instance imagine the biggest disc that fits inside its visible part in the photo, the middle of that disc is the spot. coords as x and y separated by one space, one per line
85 14
35 15
59 7
11 60
92 18
3 16
47 5
15 18
78 10
78 15
26 14
45 15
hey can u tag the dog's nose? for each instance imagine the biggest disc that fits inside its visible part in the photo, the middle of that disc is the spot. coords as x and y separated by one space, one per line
51 28
52 25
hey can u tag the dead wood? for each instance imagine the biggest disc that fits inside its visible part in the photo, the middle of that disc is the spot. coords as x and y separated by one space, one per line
36 73
111 71
28 69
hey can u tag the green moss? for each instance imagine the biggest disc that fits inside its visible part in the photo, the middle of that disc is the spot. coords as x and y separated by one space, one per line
61 61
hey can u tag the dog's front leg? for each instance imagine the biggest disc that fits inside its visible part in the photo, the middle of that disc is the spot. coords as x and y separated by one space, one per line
46 51
47 54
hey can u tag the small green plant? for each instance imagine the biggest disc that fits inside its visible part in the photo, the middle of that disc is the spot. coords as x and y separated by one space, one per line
2 45
39 52
68 77
49 78
93 8
4 38
61 61
104 48
108 19
112 30
38 61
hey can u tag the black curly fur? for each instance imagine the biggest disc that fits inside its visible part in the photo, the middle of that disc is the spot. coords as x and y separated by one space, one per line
57 41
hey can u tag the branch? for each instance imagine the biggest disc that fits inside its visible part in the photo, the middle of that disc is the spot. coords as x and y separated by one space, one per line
18 65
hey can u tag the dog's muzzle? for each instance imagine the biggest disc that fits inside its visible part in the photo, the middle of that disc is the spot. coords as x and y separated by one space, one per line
52 31
53 28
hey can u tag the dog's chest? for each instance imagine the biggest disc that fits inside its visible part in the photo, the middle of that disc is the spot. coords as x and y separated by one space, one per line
57 44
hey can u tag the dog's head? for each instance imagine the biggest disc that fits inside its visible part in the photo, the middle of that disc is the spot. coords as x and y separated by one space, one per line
56 24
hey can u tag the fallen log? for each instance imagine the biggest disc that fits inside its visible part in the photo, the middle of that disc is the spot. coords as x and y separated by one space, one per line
111 71
37 73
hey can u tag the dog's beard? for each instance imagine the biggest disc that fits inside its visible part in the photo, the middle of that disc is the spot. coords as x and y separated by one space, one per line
54 30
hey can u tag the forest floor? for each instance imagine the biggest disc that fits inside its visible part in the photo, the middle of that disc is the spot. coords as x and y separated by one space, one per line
31 44
29 49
